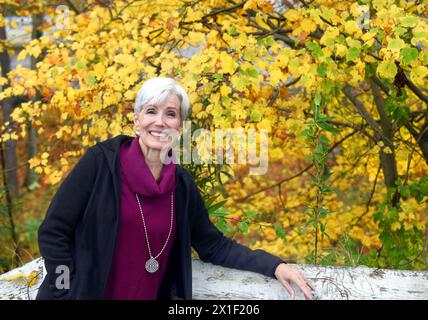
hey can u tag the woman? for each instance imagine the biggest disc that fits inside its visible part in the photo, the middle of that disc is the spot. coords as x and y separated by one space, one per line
122 223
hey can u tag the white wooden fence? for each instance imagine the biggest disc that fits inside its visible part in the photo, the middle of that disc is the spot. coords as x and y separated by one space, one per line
214 282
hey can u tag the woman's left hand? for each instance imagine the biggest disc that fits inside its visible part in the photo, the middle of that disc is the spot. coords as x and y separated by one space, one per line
286 275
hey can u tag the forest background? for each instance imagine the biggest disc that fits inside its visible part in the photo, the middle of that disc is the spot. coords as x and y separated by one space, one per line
341 87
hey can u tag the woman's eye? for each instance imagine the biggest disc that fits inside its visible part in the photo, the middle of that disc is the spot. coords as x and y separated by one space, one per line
171 114
151 111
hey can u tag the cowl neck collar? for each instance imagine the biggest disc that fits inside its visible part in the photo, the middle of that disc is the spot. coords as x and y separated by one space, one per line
138 175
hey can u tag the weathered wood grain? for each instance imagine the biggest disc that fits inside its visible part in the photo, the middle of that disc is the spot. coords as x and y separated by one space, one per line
214 282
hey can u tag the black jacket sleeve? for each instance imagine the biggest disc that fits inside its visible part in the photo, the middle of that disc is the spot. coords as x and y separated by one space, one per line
56 233
212 246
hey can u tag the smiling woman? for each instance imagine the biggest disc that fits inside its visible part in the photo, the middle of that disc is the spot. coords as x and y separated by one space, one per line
123 222
161 106
153 120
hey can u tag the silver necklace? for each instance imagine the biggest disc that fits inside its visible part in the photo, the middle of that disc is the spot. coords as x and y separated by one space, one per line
152 265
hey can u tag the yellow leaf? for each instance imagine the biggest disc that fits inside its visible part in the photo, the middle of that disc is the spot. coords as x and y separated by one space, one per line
35 51
407 226
396 44
276 76
251 4
196 107
351 28
228 65
99 70
395 226
32 278
329 37
225 90
341 50
387 69
418 75
129 95
15 277
22 54
387 150
292 15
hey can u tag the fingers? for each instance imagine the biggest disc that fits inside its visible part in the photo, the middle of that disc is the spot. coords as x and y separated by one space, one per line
305 289
287 275
288 287
302 286
309 283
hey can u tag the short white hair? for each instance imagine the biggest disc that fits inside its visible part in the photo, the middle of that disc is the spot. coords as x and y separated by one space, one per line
156 90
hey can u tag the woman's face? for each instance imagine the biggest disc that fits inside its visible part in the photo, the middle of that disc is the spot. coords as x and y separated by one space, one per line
155 120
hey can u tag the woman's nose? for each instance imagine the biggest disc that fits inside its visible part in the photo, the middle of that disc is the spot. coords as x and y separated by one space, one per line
159 120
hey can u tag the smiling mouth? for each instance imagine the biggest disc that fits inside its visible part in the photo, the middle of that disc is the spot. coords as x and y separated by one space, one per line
157 134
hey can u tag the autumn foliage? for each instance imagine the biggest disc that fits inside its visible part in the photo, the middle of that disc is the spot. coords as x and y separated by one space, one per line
339 85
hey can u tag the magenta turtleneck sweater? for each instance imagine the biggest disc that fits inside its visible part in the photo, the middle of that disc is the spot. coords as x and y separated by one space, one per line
128 277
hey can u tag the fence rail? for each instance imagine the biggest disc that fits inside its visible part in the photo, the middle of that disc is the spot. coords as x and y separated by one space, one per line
214 282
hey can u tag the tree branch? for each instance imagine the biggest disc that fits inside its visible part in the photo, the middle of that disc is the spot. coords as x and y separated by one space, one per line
347 90
369 201
297 174
73 6
416 90
353 126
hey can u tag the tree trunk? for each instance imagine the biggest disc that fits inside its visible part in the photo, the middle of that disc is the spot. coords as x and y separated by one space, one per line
387 160
30 175
9 150
9 163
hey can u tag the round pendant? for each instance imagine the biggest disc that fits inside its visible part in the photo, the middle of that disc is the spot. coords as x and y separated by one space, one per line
152 265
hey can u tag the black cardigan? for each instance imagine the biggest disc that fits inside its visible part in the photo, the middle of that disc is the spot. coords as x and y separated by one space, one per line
81 224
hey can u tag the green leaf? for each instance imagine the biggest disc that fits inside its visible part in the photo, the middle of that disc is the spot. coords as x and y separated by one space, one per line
315 49
317 99
322 70
409 55
219 213
387 69
405 192
269 41
401 114
81 64
217 77
216 206
253 73
279 230
250 214
322 212
313 178
221 225
243 227
256 116
306 133
91 79
233 31
352 54
399 31
35 185
409 21
329 128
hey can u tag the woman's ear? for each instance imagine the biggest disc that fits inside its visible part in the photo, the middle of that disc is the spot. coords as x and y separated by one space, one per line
136 125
